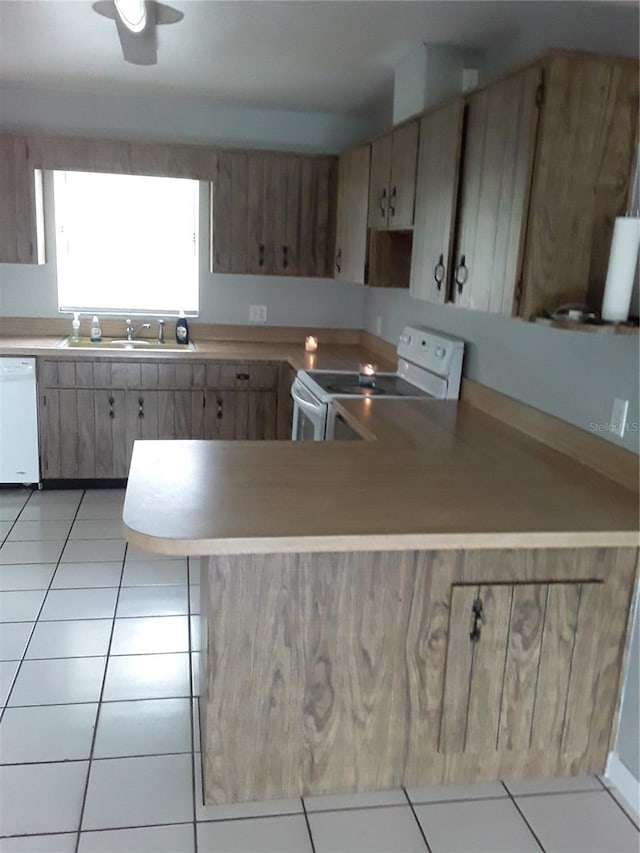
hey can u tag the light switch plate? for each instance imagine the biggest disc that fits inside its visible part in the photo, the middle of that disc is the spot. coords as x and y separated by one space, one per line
257 313
619 416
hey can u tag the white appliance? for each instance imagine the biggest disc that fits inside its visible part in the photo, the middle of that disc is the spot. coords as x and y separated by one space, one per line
19 457
429 366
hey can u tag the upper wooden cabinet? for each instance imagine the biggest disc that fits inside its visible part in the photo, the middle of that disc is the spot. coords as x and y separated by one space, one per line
546 167
393 178
21 217
271 214
496 176
351 227
587 145
436 189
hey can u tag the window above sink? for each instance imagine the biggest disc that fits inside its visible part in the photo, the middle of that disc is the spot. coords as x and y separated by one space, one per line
126 244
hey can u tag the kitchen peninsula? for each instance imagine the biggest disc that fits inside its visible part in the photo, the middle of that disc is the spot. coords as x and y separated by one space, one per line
447 601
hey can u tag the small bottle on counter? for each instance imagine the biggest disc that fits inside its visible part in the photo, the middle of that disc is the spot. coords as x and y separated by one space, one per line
182 329
75 326
96 331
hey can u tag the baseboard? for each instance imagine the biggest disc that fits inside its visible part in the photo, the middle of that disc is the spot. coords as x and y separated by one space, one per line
624 781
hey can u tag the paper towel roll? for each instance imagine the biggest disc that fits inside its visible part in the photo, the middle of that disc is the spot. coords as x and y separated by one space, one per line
622 269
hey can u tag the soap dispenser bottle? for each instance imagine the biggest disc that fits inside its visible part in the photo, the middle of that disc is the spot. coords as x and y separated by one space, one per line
182 329
75 326
96 331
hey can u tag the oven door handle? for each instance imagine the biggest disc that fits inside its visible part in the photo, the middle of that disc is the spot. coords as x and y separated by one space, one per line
313 410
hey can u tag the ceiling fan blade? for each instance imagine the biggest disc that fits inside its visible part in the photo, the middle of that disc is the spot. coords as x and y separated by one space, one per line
106 8
167 14
138 48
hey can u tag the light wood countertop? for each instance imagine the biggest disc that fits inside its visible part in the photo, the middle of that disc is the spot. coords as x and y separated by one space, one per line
439 475
329 356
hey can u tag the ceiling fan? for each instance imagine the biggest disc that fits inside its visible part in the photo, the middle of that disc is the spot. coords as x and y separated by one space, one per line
136 22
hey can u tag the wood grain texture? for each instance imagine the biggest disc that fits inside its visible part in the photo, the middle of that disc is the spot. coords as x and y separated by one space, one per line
351 222
402 180
583 169
381 155
498 161
520 682
435 203
20 216
326 672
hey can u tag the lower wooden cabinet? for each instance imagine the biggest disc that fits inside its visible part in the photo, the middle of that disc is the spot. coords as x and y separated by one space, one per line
89 432
358 671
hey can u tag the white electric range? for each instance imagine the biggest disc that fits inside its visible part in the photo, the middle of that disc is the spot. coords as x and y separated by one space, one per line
429 366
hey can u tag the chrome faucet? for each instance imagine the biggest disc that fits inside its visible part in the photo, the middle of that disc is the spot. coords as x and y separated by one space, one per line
131 332
160 331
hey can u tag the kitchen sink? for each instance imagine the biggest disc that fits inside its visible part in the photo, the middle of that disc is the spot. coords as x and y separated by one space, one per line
127 346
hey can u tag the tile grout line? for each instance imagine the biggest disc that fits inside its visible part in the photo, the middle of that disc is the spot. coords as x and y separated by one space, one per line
521 813
97 720
415 817
191 717
306 820
618 804
44 598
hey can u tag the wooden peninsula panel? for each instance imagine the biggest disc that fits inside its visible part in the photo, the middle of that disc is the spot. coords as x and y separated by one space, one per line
356 671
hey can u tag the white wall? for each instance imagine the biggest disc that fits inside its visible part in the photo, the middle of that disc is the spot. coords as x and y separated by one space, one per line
168 118
572 375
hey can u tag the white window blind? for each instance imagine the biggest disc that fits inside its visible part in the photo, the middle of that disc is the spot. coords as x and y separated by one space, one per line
126 244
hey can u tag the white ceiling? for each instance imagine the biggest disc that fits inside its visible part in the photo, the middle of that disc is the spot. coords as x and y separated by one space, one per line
332 55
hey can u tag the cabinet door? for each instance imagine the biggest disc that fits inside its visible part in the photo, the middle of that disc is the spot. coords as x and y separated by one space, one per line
49 424
21 218
110 434
436 192
351 229
496 178
261 424
315 194
381 153
402 183
229 213
516 659
587 144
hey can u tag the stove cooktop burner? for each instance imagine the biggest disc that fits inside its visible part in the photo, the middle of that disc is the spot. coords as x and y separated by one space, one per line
356 390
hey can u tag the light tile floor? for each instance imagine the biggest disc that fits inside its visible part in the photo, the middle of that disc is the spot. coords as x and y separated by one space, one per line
99 740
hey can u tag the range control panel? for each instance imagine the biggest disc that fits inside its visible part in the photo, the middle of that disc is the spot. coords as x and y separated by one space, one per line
431 350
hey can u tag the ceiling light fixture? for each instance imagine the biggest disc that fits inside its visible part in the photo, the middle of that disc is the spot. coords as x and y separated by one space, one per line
136 22
133 14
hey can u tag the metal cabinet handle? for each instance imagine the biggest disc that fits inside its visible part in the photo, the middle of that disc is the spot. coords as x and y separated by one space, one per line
140 407
285 257
339 260
112 414
392 201
383 210
477 619
438 272
461 274
220 410
242 376
261 254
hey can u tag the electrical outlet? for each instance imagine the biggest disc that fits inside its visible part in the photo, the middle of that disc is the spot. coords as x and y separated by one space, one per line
257 313
378 325
619 416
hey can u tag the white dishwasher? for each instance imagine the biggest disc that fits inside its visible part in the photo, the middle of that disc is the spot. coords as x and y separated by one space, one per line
19 457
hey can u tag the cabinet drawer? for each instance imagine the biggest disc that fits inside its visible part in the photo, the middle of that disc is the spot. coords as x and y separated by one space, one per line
239 376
